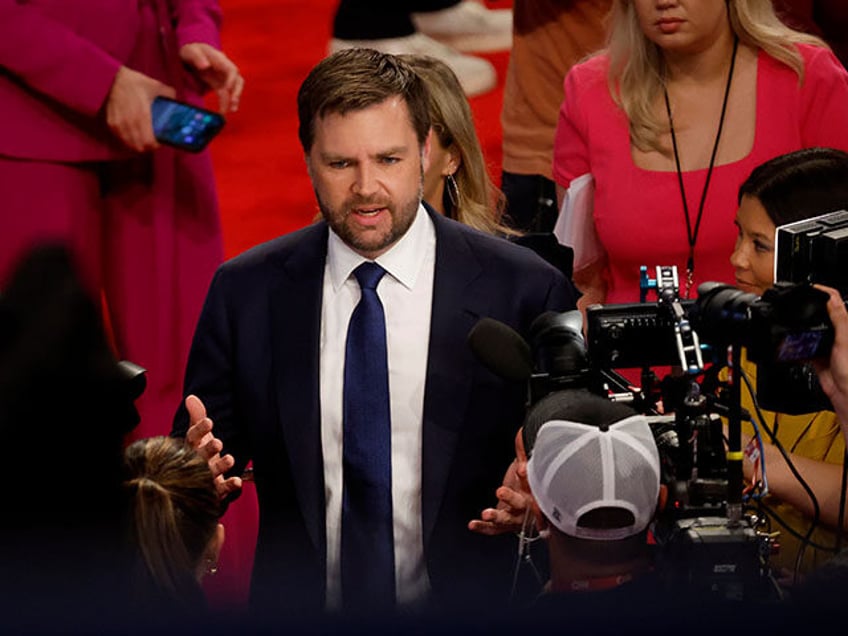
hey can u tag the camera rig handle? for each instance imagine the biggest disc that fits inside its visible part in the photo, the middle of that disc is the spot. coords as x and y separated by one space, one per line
667 286
688 344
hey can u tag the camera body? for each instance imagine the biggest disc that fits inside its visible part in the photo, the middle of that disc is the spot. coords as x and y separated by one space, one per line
704 537
788 325
782 331
698 547
631 335
716 559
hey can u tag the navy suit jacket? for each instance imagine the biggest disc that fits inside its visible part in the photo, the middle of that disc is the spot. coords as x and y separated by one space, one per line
255 364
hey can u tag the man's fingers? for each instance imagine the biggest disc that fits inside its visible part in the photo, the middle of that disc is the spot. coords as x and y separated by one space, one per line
226 486
483 527
493 522
210 448
504 518
199 433
195 407
490 528
199 436
220 464
515 500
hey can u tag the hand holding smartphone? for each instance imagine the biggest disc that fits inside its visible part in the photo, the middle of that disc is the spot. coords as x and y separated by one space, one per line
184 126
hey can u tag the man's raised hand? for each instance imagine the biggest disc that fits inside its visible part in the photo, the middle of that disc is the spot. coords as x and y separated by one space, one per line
199 436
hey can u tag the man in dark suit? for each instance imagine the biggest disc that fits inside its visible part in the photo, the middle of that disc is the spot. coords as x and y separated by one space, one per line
270 365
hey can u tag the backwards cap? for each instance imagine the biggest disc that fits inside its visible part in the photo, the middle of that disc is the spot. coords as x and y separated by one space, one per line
576 468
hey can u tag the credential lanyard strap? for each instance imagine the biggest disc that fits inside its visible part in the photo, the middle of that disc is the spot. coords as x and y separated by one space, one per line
692 236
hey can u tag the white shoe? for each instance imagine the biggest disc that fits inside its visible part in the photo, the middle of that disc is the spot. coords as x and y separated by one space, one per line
475 74
468 26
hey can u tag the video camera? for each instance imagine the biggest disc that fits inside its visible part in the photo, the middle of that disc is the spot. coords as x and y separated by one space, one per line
702 531
645 335
781 331
699 546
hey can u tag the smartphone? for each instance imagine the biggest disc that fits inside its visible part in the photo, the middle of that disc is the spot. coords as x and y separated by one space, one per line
184 126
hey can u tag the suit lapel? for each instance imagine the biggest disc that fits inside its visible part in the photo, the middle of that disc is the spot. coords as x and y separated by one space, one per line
449 364
295 325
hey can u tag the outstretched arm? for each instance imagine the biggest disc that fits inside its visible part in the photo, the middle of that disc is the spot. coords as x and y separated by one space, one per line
823 478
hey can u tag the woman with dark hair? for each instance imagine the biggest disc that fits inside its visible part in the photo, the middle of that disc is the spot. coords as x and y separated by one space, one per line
788 188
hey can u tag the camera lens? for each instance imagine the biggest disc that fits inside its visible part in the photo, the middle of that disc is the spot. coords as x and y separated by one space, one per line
722 312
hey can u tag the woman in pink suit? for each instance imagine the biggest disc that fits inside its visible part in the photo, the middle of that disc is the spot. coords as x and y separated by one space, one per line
79 164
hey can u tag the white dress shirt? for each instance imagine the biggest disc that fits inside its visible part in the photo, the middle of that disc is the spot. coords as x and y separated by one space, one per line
406 292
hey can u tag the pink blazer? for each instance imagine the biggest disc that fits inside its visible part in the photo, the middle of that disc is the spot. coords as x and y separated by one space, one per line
58 59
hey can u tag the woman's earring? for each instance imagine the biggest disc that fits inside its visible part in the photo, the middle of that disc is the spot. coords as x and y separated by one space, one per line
211 567
453 190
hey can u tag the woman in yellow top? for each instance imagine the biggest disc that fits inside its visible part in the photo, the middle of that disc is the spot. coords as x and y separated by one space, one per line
789 188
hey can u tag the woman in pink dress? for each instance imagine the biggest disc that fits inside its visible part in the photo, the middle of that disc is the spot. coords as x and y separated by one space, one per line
79 165
689 96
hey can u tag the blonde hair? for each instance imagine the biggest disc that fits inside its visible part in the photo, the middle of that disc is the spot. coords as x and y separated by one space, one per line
636 67
480 203
174 511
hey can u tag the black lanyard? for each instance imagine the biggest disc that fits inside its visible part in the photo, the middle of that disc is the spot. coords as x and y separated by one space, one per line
692 236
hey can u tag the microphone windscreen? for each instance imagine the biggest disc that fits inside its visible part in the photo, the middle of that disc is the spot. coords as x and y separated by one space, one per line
501 349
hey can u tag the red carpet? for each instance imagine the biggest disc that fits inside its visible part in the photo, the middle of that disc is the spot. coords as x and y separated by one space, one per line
263 187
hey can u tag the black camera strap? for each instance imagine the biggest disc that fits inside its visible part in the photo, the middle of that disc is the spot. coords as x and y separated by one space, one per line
692 235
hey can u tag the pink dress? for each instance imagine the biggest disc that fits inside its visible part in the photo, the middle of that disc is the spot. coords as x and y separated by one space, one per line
144 228
638 213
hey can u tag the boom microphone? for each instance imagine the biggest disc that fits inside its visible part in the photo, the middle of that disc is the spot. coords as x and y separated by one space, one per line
501 350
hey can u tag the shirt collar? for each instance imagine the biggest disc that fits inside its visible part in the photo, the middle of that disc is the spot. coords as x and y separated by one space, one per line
403 260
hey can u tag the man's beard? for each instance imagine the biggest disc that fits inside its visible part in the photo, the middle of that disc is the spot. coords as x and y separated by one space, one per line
364 242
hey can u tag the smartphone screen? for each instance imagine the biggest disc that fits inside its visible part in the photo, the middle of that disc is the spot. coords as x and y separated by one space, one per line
183 125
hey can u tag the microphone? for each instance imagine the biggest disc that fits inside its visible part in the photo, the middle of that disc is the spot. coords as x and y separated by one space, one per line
501 350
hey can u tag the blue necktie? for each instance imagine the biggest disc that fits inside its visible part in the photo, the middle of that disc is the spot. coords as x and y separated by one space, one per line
367 549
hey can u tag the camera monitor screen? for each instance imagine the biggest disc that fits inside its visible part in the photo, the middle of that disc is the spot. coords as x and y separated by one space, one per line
804 345
814 250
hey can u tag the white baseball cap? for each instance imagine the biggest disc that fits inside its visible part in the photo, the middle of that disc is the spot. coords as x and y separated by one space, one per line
576 468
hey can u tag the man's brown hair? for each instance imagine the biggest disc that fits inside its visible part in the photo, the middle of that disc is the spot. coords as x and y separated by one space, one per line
355 79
